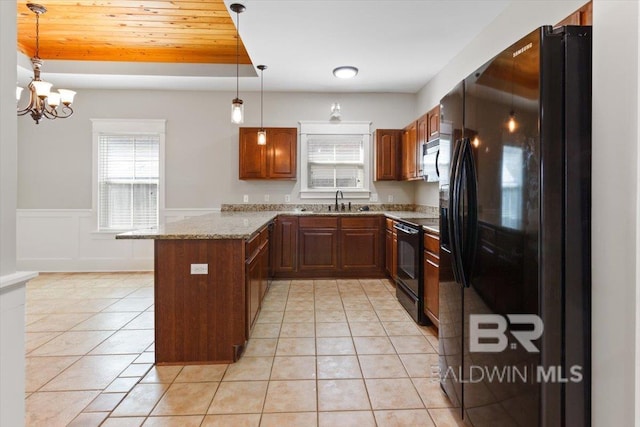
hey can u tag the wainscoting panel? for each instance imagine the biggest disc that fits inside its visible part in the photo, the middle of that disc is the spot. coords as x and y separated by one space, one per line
67 240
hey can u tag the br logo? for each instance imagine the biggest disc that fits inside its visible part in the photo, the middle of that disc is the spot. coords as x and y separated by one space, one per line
487 332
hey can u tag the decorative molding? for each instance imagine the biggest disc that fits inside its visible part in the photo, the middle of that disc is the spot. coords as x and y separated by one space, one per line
67 240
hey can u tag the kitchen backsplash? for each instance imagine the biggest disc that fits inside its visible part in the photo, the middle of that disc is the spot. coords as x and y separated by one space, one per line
324 207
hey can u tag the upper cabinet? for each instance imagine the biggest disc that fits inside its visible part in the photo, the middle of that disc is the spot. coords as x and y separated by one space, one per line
276 160
410 152
434 123
399 151
388 154
582 16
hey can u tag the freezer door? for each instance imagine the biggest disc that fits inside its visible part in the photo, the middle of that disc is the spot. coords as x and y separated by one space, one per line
502 117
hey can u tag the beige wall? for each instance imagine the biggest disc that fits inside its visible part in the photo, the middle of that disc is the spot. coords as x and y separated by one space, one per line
201 144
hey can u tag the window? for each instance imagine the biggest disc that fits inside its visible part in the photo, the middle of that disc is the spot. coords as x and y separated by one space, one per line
334 157
128 173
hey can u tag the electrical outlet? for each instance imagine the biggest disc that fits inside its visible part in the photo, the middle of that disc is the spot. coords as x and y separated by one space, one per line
245 198
287 198
266 197
199 268
374 197
390 198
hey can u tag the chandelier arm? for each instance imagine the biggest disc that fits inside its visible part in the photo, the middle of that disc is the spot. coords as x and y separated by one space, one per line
33 102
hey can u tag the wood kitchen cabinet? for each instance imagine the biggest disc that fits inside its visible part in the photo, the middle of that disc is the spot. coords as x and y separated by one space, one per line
422 136
329 246
410 152
582 16
257 274
285 248
318 244
276 160
388 154
391 249
361 240
431 259
433 117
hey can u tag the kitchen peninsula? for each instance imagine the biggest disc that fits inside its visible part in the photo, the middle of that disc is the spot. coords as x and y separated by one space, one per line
212 271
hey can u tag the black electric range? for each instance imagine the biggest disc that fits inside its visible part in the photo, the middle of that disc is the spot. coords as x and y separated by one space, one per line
432 223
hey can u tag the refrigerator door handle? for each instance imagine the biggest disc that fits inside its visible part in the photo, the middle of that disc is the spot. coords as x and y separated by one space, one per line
455 190
471 235
437 157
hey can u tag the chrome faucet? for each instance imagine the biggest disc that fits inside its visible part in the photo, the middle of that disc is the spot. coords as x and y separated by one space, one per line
339 192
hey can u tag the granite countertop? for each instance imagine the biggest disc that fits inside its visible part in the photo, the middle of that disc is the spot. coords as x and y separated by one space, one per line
219 225
240 225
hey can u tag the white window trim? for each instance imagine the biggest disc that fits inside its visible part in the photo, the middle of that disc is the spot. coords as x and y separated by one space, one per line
128 126
333 128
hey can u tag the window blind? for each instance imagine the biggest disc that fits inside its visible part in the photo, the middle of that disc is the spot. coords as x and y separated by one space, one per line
335 161
128 179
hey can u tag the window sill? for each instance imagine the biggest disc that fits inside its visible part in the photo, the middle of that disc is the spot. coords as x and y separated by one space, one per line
331 194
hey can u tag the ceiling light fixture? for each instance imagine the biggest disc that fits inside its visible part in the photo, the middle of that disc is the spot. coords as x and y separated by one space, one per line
262 134
345 72
43 102
237 106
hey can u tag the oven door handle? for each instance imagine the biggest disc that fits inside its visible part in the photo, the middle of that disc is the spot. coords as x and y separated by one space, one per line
406 230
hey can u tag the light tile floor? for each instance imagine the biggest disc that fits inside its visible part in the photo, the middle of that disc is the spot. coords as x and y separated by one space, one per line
322 353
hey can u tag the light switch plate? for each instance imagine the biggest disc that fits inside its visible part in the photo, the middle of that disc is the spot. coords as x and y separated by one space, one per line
199 268
390 198
287 198
374 197
266 197
245 198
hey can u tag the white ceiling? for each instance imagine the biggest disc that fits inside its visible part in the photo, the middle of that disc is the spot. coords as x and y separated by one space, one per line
398 45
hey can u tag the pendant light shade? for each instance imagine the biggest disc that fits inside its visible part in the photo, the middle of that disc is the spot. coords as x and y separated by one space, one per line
237 111
237 106
262 134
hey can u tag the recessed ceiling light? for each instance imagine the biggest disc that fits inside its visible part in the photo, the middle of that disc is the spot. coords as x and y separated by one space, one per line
345 72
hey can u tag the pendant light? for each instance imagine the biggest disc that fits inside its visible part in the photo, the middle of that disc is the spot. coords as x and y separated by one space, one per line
262 134
237 106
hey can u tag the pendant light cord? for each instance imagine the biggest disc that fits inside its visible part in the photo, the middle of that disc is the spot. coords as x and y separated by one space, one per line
261 95
237 54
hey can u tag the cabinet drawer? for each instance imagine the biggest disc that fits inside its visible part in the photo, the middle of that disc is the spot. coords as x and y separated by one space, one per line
318 222
252 246
432 243
264 235
360 222
389 223
432 259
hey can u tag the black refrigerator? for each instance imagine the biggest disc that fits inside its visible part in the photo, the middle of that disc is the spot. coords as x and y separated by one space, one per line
515 219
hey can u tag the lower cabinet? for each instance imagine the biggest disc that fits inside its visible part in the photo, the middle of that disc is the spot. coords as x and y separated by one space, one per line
391 249
431 270
329 246
361 250
256 274
285 247
318 237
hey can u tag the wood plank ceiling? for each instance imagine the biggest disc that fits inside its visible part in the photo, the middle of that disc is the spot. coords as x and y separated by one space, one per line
194 31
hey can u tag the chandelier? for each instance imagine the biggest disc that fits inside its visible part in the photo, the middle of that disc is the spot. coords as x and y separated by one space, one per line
42 101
